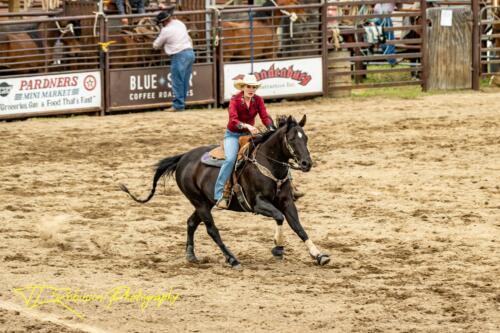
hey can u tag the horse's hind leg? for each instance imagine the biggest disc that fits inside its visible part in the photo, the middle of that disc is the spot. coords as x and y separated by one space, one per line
206 217
192 223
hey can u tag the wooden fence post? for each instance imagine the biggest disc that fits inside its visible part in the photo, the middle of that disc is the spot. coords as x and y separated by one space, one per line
449 49
476 44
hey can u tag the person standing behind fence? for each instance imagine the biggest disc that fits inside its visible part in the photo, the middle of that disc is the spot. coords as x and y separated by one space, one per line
386 22
176 43
139 5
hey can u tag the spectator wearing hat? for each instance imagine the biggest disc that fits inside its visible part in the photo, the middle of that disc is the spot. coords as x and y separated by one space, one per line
176 43
243 108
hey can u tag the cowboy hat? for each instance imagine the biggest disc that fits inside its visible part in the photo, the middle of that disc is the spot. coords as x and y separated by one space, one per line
164 15
248 80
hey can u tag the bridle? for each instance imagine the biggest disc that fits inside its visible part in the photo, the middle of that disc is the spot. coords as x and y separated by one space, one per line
294 155
265 171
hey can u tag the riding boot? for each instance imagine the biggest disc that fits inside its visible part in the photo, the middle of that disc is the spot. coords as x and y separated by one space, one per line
223 203
227 190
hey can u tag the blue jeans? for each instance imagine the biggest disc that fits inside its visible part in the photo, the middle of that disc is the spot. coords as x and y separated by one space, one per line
231 147
181 66
389 35
137 4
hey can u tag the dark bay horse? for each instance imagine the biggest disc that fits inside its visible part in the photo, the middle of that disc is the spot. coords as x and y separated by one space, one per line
269 195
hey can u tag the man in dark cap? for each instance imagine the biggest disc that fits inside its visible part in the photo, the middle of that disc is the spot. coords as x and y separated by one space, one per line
175 41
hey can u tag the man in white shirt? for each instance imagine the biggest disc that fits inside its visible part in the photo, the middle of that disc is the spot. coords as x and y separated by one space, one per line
175 40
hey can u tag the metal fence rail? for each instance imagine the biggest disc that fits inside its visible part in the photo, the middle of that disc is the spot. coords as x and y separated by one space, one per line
252 33
277 43
45 45
302 50
383 49
137 76
489 43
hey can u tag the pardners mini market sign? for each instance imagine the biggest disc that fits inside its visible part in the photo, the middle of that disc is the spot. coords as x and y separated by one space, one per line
45 93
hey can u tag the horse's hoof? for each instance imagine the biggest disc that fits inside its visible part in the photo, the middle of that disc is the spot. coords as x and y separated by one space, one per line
237 267
192 258
322 259
234 263
278 252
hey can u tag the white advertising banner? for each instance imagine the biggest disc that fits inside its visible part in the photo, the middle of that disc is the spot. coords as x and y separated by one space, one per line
278 78
50 93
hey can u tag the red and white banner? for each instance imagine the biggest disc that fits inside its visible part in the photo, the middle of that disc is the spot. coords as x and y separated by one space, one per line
56 92
278 78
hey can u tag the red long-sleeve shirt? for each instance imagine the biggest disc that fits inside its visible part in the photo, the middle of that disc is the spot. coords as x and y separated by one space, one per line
240 114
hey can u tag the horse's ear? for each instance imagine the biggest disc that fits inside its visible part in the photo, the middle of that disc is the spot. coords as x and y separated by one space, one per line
302 121
289 122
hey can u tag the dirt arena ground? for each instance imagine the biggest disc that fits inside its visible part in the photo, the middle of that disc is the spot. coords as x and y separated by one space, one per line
404 195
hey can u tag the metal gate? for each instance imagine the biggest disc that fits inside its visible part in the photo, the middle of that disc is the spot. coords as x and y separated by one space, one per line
382 40
138 77
283 46
488 42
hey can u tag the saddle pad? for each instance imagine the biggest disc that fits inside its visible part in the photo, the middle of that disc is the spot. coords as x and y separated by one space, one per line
209 160
217 153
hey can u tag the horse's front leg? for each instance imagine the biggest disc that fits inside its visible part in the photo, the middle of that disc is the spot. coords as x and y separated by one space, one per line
292 217
264 207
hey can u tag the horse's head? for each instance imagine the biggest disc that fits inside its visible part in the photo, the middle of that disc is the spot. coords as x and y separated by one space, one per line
295 141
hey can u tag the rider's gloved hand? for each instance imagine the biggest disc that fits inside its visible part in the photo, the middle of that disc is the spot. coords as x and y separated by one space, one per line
271 127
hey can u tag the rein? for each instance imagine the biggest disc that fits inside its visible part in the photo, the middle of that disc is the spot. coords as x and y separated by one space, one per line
266 172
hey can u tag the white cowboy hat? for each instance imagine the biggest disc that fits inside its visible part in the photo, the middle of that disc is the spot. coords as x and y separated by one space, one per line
248 80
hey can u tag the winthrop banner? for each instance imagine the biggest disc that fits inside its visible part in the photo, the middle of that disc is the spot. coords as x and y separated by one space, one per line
278 78
56 92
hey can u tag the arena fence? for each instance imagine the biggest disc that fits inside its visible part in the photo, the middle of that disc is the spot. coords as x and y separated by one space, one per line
45 69
137 76
97 63
283 46
384 48
488 42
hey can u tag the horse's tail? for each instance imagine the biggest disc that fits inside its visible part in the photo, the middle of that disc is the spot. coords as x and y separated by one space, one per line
166 166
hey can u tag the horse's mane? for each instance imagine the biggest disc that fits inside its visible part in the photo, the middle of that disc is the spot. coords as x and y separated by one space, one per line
281 121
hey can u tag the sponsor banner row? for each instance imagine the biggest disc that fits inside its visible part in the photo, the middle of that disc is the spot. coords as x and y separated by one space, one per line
151 86
56 92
